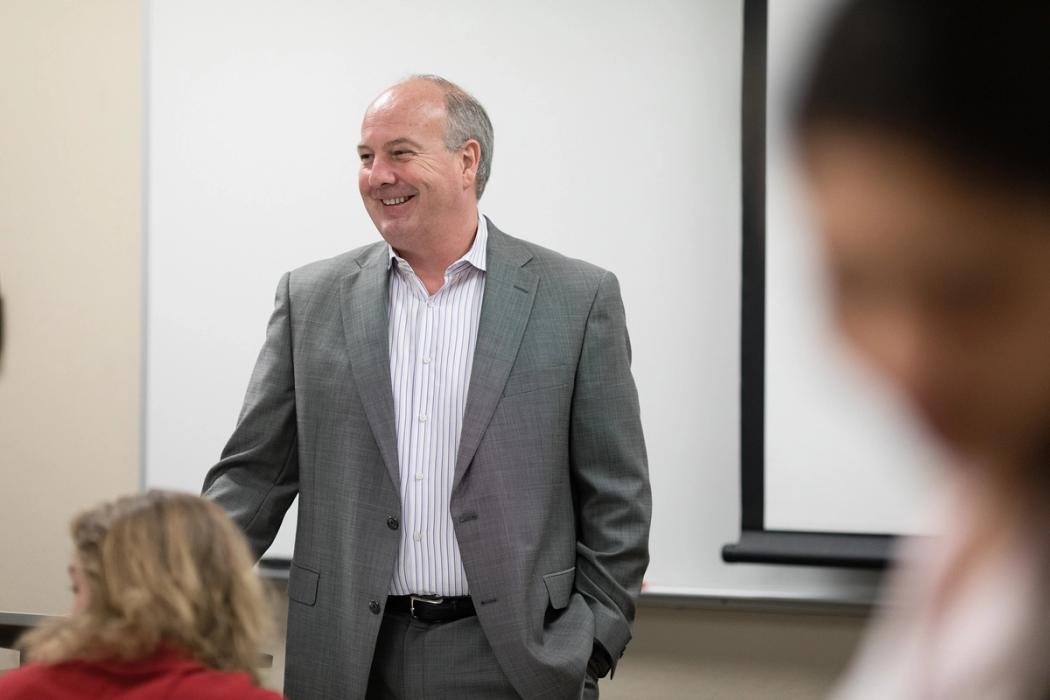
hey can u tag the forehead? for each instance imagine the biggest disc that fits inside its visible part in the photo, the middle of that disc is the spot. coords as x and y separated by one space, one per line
409 110
895 197
899 222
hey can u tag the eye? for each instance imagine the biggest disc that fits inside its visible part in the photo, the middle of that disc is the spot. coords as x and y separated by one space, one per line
401 153
365 157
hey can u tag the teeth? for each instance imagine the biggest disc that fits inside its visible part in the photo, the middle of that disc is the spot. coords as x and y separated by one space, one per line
398 200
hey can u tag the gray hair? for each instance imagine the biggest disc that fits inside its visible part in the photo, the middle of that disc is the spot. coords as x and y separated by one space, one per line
466 119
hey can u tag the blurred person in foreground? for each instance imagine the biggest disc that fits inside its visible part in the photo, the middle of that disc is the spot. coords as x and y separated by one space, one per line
924 132
166 605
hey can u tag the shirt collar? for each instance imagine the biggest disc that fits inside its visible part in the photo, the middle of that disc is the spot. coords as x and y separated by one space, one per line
477 256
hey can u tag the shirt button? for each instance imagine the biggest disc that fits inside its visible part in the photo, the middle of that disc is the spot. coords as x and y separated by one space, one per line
374 607
426 360
392 523
423 418
417 536
419 476
430 304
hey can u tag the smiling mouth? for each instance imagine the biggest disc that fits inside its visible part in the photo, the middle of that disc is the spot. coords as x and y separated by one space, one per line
396 200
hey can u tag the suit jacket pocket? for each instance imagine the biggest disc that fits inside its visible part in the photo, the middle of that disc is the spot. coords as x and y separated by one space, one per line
302 584
559 587
536 379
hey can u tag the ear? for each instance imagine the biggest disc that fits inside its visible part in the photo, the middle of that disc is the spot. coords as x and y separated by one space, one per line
470 156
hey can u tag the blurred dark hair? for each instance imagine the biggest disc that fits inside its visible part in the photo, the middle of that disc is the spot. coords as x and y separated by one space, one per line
968 79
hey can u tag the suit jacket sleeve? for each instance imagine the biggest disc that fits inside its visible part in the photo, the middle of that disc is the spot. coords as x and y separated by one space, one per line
257 477
610 473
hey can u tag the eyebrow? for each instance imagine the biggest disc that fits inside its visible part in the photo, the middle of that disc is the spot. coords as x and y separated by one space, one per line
390 144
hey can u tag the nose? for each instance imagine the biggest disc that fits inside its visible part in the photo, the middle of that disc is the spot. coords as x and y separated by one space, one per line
380 173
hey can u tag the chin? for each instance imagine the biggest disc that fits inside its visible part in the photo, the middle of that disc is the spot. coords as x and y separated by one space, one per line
391 227
978 448
950 431
381 223
394 232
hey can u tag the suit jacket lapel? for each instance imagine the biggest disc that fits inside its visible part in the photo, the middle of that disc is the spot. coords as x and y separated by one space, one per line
509 293
365 293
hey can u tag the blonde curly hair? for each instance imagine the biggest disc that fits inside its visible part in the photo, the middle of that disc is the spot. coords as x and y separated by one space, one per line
161 568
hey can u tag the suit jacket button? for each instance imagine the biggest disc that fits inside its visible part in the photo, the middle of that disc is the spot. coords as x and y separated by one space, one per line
374 607
392 523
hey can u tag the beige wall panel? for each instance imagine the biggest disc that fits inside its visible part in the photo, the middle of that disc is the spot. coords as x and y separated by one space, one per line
70 248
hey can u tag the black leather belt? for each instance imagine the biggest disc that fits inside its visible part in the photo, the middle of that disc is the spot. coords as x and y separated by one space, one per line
432 608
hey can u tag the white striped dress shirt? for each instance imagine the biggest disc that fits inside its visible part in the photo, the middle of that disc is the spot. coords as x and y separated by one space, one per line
432 340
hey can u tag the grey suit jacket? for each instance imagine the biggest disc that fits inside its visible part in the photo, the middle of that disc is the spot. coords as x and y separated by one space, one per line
551 499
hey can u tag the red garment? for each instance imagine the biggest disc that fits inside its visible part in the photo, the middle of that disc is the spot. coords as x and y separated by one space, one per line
166 675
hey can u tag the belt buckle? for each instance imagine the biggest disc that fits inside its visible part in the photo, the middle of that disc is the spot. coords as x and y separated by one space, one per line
426 599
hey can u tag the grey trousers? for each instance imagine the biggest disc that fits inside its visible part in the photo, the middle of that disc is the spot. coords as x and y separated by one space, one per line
417 660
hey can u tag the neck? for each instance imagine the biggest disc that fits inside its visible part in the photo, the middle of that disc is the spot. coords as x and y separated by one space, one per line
433 254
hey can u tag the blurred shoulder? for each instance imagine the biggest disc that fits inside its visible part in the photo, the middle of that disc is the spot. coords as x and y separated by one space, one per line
209 684
58 681
25 682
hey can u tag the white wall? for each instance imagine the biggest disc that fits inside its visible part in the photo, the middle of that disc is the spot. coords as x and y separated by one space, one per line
616 141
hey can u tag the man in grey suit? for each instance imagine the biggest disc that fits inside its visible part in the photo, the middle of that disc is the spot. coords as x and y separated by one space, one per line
455 409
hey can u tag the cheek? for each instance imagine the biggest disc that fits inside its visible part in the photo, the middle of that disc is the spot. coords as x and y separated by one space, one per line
877 336
1017 369
986 381
81 595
